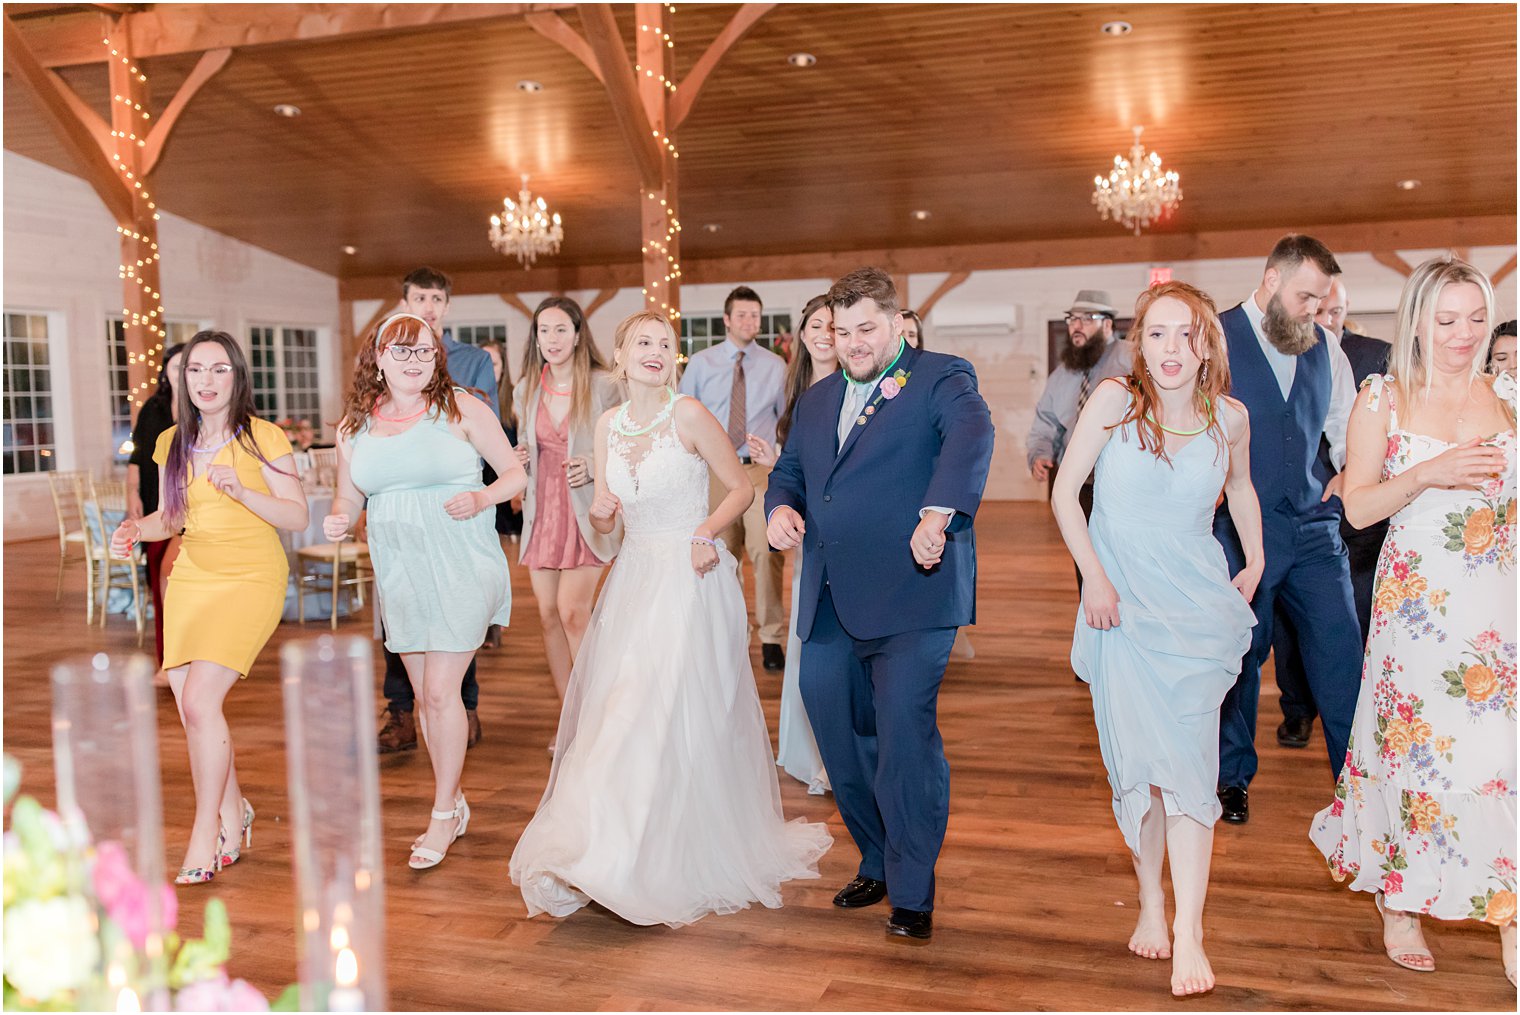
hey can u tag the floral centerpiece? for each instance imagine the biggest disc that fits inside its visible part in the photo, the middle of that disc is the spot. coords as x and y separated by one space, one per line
80 930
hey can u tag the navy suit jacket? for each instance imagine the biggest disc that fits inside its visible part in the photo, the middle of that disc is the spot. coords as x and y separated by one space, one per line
929 446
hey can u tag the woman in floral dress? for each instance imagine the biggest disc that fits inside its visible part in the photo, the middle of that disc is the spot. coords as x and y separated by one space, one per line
1424 811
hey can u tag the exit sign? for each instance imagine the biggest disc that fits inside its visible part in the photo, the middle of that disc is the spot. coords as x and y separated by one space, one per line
1159 275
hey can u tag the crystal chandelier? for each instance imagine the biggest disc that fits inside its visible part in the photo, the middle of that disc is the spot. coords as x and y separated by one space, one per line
525 229
1137 192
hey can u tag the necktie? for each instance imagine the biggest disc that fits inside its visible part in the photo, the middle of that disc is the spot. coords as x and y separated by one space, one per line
738 412
1084 391
854 400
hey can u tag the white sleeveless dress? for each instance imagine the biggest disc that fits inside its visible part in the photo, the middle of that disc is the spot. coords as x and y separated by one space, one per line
662 803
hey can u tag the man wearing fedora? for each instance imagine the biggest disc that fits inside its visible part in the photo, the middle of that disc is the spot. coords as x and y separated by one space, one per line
1090 355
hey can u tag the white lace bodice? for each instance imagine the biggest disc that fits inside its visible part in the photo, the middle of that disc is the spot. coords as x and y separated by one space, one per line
663 486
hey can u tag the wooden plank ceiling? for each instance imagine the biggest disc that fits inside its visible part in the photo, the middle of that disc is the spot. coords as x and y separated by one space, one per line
994 118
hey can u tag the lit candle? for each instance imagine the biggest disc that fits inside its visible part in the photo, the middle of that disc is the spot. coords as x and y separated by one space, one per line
346 996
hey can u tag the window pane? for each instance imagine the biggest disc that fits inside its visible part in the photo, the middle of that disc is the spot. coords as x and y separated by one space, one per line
699 327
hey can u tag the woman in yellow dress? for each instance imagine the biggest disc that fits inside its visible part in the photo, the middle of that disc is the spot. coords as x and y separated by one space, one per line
227 479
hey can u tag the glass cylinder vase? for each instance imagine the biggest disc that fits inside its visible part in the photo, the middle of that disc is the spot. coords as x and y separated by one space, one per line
105 754
335 822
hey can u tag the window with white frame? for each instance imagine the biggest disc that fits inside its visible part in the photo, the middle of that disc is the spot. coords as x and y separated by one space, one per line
116 366
30 444
285 382
698 331
478 334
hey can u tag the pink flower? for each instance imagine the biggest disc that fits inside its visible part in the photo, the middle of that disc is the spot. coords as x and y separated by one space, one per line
220 994
124 896
1505 868
1406 711
1393 883
1495 787
890 389
1486 641
1337 808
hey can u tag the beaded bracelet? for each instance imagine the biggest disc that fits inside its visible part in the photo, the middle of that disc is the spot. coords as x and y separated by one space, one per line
704 539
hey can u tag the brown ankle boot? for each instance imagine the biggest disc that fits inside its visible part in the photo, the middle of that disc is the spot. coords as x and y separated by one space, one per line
399 732
474 727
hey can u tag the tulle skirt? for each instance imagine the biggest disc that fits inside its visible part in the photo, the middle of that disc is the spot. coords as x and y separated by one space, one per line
662 803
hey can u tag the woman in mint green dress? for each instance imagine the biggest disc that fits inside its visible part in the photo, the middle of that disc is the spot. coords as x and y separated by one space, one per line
1162 626
413 448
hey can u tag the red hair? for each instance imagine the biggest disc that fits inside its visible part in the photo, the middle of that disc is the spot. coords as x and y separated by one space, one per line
368 387
1211 384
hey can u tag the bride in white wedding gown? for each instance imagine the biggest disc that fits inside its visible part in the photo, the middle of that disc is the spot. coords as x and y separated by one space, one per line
662 803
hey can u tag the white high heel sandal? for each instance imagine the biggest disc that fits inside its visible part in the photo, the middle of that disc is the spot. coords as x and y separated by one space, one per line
432 857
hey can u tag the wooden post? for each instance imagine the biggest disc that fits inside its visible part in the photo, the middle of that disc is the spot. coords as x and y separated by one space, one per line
142 307
660 218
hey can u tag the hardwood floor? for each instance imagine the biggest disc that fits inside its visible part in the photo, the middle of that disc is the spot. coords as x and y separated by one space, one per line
1036 893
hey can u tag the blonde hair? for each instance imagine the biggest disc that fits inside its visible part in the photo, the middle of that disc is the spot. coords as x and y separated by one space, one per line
1417 313
624 334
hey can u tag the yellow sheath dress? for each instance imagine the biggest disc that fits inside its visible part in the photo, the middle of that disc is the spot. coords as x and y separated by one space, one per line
227 589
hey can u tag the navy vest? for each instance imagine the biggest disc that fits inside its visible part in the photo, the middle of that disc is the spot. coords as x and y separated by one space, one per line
1285 433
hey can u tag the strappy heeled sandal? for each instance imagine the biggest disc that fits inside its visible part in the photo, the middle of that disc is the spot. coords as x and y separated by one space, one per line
1405 956
431 857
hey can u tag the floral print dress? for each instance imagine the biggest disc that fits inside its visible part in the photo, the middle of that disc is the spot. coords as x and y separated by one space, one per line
1424 810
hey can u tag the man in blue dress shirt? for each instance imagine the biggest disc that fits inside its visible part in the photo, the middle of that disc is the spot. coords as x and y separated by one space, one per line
743 384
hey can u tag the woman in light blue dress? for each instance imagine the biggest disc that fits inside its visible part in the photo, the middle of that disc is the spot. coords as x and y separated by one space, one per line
813 359
1162 628
412 443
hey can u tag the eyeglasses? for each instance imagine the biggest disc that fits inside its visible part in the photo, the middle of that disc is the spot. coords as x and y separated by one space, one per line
195 373
402 353
1090 318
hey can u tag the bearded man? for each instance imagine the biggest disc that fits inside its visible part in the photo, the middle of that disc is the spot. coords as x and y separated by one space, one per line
1090 355
1297 385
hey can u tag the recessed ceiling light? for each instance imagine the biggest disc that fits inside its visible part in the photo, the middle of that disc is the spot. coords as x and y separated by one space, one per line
802 59
922 214
1407 184
350 250
1116 28
288 111
713 227
526 85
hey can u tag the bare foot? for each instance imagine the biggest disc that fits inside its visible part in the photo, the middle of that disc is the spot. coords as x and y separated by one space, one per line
1191 972
1150 939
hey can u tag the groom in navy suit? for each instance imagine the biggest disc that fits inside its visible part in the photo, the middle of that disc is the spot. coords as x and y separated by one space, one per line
881 476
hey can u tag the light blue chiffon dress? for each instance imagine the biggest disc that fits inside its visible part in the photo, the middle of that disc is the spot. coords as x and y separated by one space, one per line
441 581
1158 678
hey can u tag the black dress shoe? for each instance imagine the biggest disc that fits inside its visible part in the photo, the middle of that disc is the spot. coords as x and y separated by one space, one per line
861 892
910 923
1233 800
1295 732
772 657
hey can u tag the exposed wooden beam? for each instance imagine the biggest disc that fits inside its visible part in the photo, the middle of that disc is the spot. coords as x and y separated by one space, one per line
515 302
690 88
952 280
1413 234
599 301
555 28
1505 271
206 68
1391 259
602 35
70 120
167 29
1463 253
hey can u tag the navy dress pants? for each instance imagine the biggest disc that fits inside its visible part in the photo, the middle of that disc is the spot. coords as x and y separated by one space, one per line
1307 577
873 706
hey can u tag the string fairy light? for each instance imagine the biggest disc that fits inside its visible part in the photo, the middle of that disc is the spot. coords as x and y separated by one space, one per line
134 268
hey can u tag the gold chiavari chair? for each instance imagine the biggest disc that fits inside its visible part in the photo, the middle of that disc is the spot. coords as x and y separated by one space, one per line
103 497
67 490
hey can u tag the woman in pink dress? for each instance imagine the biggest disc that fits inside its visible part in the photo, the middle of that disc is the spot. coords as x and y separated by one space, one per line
563 390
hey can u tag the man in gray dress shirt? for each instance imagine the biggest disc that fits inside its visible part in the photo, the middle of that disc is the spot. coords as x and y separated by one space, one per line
1090 355
743 384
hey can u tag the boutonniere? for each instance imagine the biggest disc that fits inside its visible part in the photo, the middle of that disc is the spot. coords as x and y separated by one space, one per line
892 386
